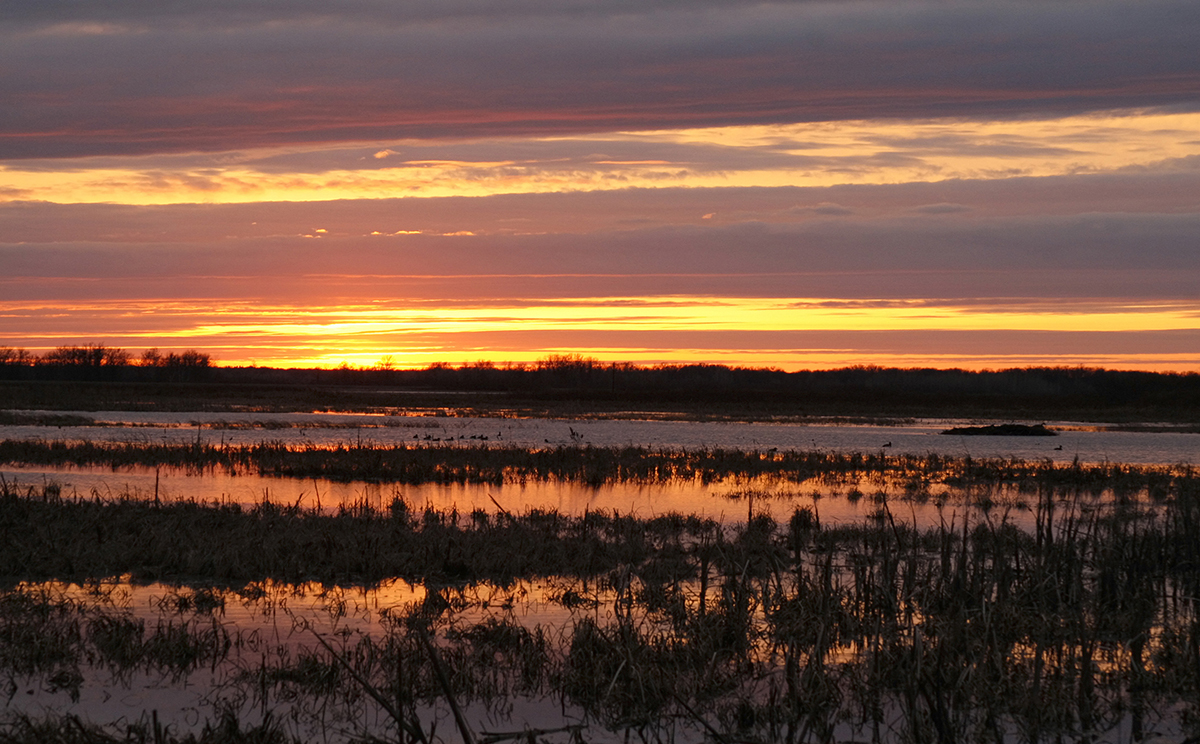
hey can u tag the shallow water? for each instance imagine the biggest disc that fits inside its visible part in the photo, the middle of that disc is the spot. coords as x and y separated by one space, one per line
273 625
269 625
271 622
919 437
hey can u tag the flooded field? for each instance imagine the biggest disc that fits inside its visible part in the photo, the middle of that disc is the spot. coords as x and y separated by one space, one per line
608 627
489 580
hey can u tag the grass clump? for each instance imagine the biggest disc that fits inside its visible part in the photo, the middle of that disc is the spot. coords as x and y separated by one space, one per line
47 536
72 729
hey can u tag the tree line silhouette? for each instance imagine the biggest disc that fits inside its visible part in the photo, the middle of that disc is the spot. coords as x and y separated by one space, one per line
576 379
97 362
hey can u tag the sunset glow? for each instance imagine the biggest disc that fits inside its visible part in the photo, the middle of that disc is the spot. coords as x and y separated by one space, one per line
728 330
790 184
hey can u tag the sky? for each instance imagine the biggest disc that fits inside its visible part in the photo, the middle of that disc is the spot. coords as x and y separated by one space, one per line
800 185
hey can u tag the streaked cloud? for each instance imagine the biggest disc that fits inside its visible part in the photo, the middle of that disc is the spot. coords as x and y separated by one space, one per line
942 208
861 152
914 243
100 78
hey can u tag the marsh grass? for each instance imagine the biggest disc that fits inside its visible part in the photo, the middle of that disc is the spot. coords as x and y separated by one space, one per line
496 464
24 418
45 535
44 632
675 628
980 632
74 730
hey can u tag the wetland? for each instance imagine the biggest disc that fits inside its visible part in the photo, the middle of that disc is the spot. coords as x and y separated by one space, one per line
425 575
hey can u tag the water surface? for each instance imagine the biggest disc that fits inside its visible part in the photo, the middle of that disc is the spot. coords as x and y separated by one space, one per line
1087 442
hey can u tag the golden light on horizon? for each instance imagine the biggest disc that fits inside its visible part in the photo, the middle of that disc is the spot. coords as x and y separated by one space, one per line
241 333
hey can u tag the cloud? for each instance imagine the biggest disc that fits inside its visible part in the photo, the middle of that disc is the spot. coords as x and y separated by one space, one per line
798 154
676 329
1169 192
139 77
826 209
942 208
895 256
11 193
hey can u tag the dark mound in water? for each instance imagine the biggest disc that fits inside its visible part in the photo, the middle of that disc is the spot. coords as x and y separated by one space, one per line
1004 430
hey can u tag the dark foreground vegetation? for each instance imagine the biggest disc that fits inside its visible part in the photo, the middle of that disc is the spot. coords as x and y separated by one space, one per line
48 536
102 378
676 628
74 730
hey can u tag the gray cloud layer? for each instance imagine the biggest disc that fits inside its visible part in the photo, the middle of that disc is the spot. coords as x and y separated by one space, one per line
1087 255
143 77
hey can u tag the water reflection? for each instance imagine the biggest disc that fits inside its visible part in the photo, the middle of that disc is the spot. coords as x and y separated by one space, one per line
729 501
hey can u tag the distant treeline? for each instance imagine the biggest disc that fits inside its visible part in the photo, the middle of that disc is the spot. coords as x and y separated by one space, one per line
852 391
97 362
559 382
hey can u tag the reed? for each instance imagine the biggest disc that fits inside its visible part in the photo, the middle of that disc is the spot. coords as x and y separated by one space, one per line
45 633
71 729
674 627
970 632
47 535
